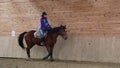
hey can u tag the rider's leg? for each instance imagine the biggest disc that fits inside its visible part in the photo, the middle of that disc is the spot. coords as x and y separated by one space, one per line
42 37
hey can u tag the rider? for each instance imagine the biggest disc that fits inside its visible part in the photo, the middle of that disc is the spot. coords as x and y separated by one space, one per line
44 25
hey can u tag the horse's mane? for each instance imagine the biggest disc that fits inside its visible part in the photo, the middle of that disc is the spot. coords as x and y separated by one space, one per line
54 30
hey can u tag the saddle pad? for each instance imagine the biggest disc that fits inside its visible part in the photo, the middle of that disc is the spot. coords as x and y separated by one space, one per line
37 34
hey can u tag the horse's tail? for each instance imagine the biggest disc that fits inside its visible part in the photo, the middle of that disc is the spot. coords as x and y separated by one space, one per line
20 40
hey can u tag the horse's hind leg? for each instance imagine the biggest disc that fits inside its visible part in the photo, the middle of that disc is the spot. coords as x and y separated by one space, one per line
28 51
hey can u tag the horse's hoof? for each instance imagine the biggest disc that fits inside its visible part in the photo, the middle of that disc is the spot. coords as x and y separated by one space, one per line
52 60
44 58
28 59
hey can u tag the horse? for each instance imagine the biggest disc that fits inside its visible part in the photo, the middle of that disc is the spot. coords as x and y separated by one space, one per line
50 40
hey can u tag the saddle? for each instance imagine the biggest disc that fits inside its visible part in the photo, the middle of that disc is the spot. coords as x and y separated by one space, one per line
38 35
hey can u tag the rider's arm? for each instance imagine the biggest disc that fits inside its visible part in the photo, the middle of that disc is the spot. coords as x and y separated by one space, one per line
47 24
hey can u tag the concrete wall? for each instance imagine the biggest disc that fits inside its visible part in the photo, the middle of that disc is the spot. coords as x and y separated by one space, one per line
78 48
93 28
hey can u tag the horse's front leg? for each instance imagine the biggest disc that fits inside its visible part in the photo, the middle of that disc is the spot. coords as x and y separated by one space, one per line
50 52
51 55
46 57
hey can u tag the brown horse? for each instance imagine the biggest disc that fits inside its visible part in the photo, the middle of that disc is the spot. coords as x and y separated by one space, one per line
50 40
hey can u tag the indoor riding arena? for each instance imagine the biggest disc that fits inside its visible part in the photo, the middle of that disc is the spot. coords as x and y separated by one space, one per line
92 26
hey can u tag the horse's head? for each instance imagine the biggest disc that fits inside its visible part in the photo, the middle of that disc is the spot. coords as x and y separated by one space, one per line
63 32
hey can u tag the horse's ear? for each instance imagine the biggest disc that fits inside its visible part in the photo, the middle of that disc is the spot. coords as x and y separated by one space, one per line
64 26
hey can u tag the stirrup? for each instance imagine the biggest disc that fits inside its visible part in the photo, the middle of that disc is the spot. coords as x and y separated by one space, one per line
42 43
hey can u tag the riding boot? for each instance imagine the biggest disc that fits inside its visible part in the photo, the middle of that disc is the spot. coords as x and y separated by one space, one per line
42 41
